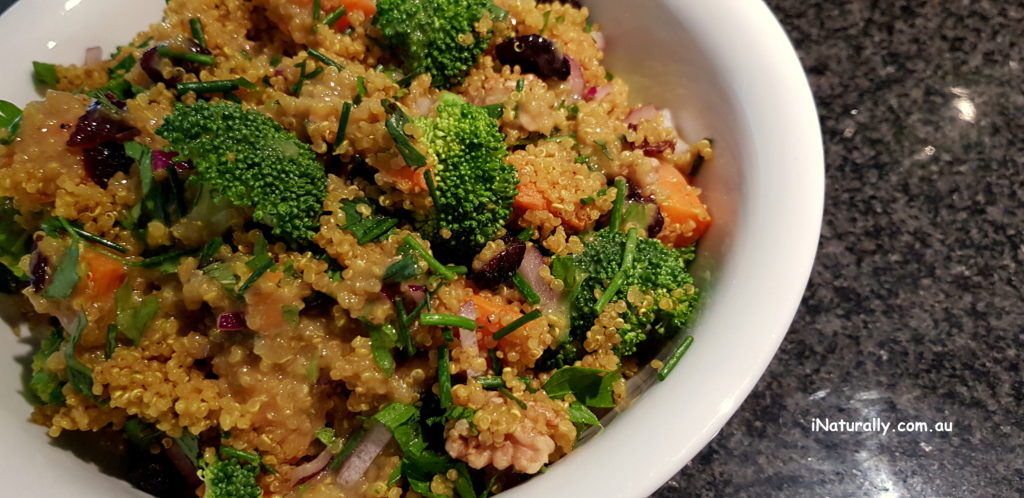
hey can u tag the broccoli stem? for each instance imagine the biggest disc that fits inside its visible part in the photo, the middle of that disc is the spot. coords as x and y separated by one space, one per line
442 320
620 198
620 276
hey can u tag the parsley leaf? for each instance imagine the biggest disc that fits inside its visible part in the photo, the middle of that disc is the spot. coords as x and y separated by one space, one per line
10 122
590 386
382 341
403 269
65 277
133 317
45 74
79 375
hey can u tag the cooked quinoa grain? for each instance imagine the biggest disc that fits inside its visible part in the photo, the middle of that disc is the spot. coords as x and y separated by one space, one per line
236 254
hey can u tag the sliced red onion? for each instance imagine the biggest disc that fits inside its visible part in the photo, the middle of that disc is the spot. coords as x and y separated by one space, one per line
643 113
598 92
576 81
415 292
467 338
163 159
530 270
310 468
599 39
364 454
184 466
231 321
93 55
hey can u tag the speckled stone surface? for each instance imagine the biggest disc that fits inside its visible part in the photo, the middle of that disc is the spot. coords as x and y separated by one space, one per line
914 310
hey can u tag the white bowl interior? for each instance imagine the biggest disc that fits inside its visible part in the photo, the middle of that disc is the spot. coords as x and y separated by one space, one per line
726 70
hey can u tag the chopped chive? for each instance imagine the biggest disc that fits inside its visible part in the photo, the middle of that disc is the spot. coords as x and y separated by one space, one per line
361 86
318 55
444 377
197 31
442 320
446 334
433 263
674 359
495 361
256 274
582 160
335 16
604 149
111 341
547 17
520 85
202 87
519 322
316 10
78 232
491 382
145 43
508 394
586 201
230 452
204 59
620 199
156 261
526 234
620 276
339 137
525 289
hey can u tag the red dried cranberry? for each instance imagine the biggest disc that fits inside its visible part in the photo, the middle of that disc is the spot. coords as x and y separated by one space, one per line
103 161
501 267
534 54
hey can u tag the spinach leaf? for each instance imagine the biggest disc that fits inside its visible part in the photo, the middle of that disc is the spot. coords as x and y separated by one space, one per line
10 122
65 277
79 375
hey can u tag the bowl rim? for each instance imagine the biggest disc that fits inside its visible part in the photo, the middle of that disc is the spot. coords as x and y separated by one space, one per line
752 43
781 90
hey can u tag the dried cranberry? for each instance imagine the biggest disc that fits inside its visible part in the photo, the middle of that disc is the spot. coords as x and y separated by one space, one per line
574 3
635 195
501 267
38 271
100 124
150 64
534 54
103 161
657 223
651 150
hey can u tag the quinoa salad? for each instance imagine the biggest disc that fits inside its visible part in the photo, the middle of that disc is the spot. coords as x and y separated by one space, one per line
345 247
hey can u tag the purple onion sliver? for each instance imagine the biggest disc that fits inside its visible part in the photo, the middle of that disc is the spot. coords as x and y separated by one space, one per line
163 159
231 321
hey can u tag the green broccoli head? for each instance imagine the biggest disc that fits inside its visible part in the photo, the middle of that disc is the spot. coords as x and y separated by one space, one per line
249 159
438 37
230 478
473 187
656 286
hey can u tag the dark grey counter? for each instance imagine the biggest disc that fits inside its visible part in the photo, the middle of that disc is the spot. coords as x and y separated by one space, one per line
914 311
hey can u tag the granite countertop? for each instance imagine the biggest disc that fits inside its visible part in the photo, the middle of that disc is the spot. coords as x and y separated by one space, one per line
913 312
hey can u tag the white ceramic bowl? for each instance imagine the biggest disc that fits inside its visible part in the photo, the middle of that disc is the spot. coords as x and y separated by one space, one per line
726 70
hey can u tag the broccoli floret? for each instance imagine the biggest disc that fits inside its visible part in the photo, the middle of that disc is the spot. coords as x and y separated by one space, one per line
473 187
230 478
563 355
246 157
438 37
655 284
